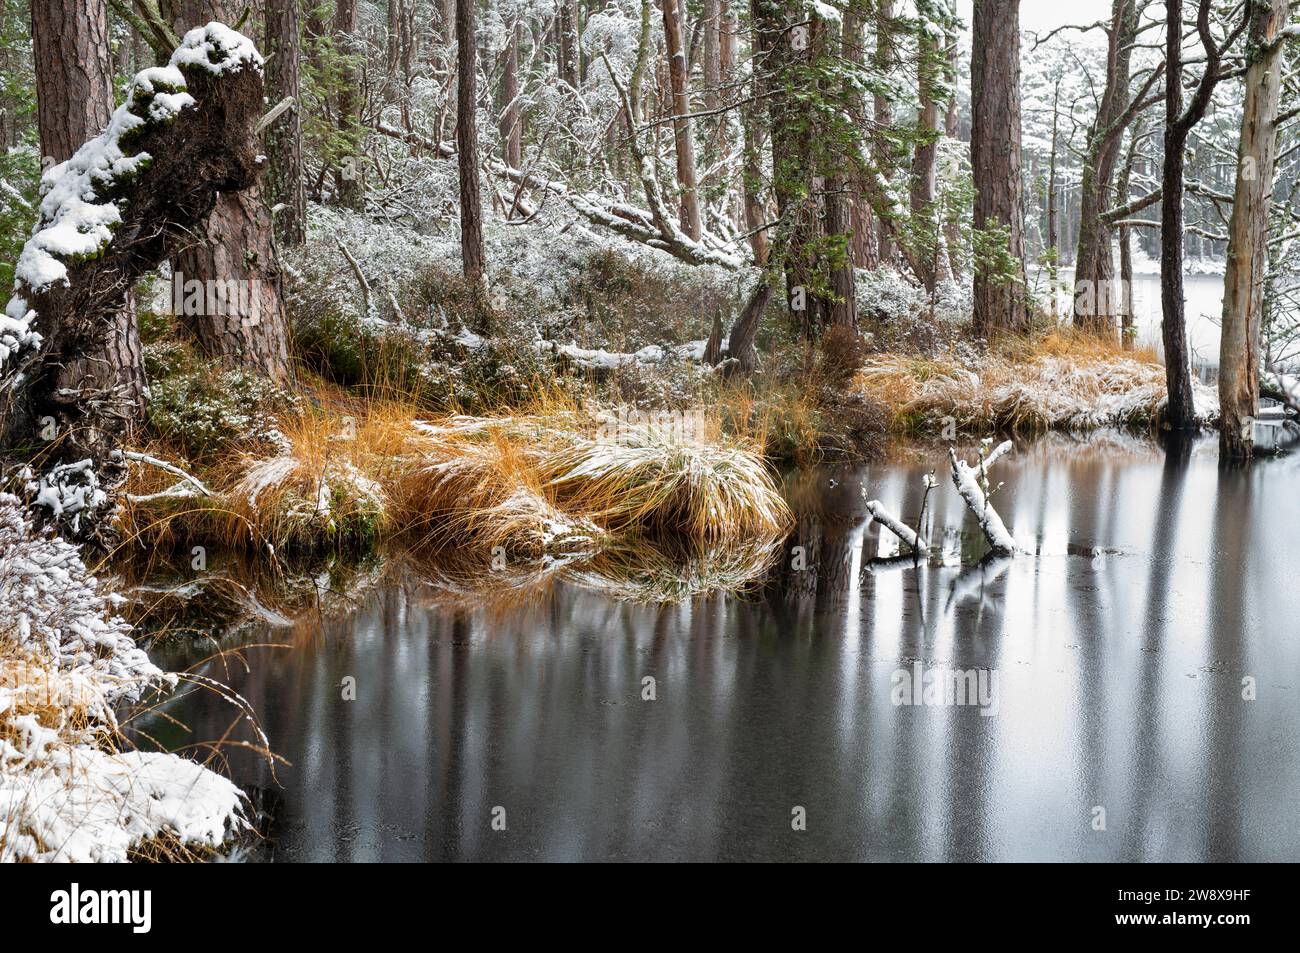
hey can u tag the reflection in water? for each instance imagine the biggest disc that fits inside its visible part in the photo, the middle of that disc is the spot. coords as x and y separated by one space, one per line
1157 585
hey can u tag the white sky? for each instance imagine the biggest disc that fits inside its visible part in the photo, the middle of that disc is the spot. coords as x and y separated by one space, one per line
1042 15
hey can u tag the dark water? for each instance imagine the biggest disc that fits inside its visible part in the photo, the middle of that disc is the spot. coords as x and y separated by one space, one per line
1120 651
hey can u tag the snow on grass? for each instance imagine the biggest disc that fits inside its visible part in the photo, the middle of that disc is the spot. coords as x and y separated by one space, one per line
1045 391
66 662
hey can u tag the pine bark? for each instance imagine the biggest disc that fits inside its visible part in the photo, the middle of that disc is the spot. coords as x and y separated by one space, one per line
929 83
348 180
1094 273
752 162
883 61
683 134
471 209
1244 280
1000 302
286 189
711 54
74 100
233 251
511 125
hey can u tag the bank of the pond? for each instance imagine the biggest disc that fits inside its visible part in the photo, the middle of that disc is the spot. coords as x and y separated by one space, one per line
472 490
1059 381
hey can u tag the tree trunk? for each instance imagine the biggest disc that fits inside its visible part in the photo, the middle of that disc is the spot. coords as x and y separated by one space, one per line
1053 218
566 25
284 180
1094 272
799 197
1000 302
1244 280
839 222
883 61
511 126
74 100
348 178
1128 331
471 209
951 124
930 67
711 55
684 140
1181 414
227 282
72 296
751 181
740 344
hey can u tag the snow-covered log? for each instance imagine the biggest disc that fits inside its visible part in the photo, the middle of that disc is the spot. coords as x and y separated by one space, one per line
127 200
972 485
881 514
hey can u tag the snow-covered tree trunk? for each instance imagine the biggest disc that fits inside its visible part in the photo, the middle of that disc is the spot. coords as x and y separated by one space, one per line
972 484
1243 286
227 280
566 25
74 99
122 204
683 132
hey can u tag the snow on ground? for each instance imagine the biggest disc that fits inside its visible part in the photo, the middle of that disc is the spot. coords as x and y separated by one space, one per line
66 792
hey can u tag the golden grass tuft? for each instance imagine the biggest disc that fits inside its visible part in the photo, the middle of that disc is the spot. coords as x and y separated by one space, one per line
703 492
1063 380
528 485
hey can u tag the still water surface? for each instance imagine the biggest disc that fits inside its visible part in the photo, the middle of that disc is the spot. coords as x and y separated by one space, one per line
1156 586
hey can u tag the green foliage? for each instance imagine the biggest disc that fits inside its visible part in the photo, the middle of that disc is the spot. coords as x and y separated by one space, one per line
19 189
204 411
992 252
20 168
327 69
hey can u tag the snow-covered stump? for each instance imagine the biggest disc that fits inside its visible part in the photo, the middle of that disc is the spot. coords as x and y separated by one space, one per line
128 199
972 483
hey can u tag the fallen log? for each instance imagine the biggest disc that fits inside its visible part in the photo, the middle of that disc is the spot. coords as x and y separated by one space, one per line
972 483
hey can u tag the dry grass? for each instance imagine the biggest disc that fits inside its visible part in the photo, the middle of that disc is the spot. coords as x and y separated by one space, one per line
1059 381
529 485
704 492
